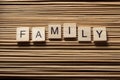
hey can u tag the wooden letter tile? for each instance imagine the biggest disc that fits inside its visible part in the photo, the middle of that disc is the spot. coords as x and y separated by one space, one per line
54 31
38 34
22 34
99 34
84 34
69 30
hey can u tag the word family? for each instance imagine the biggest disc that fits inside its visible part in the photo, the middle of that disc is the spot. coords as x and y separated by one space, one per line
55 31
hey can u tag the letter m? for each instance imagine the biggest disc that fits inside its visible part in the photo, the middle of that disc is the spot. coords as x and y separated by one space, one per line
54 30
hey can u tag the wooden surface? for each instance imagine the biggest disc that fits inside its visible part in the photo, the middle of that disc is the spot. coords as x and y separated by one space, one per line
59 59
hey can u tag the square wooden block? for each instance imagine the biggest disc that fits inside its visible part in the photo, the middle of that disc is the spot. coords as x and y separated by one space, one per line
84 34
22 34
38 34
69 30
54 31
99 34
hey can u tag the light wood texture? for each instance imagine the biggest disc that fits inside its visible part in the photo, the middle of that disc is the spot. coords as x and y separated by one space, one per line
22 34
99 34
69 30
38 34
84 34
59 58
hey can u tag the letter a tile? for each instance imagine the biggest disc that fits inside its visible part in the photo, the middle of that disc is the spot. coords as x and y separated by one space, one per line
38 34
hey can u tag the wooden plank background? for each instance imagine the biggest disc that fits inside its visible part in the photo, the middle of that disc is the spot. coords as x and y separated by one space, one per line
59 59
